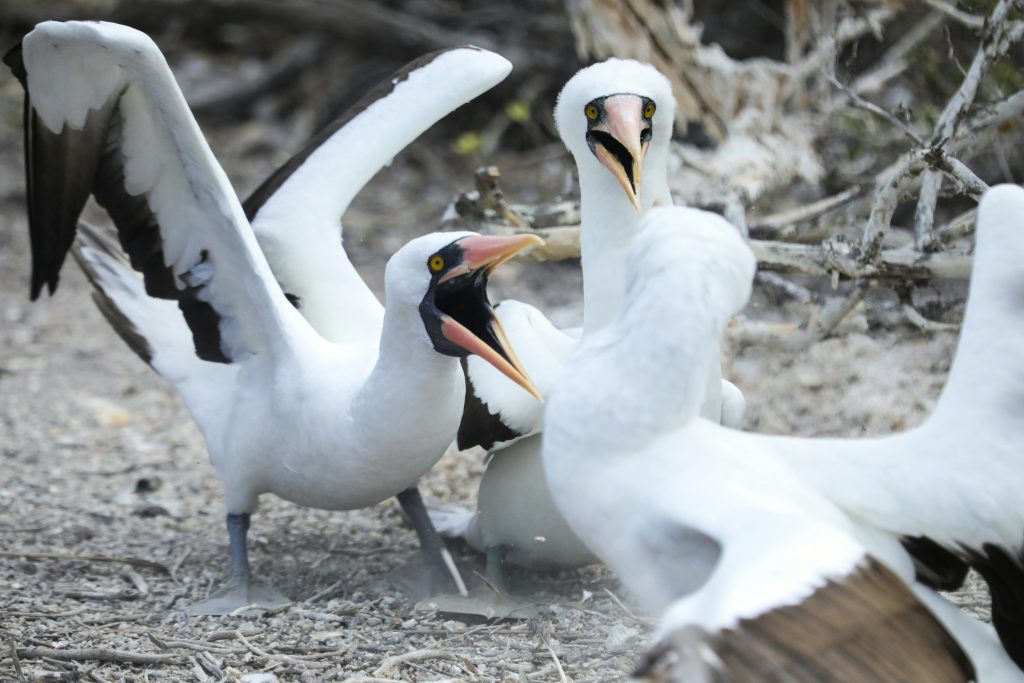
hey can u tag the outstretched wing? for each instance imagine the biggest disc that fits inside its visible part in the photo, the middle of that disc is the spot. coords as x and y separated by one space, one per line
104 116
792 612
297 212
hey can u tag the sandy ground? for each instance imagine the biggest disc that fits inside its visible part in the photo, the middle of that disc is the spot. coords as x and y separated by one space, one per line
99 458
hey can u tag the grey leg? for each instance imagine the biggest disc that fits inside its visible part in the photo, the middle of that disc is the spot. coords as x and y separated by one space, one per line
495 567
445 576
241 589
238 532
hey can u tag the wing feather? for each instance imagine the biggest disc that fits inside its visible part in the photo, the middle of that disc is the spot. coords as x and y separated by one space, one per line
297 211
105 116
862 627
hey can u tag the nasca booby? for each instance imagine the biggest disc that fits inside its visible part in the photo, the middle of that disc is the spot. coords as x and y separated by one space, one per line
325 423
754 573
616 119
954 480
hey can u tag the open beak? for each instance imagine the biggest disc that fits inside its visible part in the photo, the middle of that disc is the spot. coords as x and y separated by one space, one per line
617 143
481 254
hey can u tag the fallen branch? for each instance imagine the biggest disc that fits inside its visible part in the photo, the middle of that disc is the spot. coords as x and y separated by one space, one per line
827 259
924 324
389 664
123 594
873 108
96 654
960 227
786 225
834 257
13 649
148 564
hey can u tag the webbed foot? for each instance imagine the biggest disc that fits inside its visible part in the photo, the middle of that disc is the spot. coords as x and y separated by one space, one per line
239 593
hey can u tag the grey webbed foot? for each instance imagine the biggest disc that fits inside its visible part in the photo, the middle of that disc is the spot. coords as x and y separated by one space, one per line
241 590
239 593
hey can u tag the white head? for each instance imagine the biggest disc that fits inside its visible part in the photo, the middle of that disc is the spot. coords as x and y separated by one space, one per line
443 276
615 117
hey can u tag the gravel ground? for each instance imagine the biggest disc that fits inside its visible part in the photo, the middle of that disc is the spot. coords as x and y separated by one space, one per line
99 458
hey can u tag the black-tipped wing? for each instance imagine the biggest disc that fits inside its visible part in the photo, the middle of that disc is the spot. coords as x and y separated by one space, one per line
105 117
936 567
62 170
93 240
479 426
297 212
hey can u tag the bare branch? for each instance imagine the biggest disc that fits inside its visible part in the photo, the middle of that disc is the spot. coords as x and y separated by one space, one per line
961 226
997 37
824 260
968 20
861 103
785 225
901 179
849 29
894 61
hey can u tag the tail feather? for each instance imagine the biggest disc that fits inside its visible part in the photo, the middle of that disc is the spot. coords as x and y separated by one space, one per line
452 521
108 271
153 328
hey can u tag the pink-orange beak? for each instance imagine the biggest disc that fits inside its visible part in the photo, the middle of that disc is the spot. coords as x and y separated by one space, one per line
618 144
489 252
482 252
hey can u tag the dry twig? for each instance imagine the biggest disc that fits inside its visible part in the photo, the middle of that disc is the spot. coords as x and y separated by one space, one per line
96 654
148 564
998 35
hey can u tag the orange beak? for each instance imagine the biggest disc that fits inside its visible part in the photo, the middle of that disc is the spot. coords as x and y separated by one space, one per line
618 145
482 252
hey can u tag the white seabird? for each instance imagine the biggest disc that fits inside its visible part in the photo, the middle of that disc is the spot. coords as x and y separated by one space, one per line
616 119
756 574
327 423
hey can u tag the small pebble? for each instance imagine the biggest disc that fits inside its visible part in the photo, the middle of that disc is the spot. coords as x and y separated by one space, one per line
620 638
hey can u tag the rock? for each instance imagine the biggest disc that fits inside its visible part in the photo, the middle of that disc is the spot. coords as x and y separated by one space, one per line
620 638
258 678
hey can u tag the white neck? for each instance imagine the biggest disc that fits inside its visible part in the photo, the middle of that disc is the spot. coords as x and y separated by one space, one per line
411 384
609 223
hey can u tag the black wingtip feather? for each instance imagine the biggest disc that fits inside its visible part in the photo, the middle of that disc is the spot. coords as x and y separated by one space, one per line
479 426
935 566
16 63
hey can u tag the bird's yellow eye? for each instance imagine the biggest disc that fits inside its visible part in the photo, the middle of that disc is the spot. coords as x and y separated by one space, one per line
649 110
436 262
591 111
